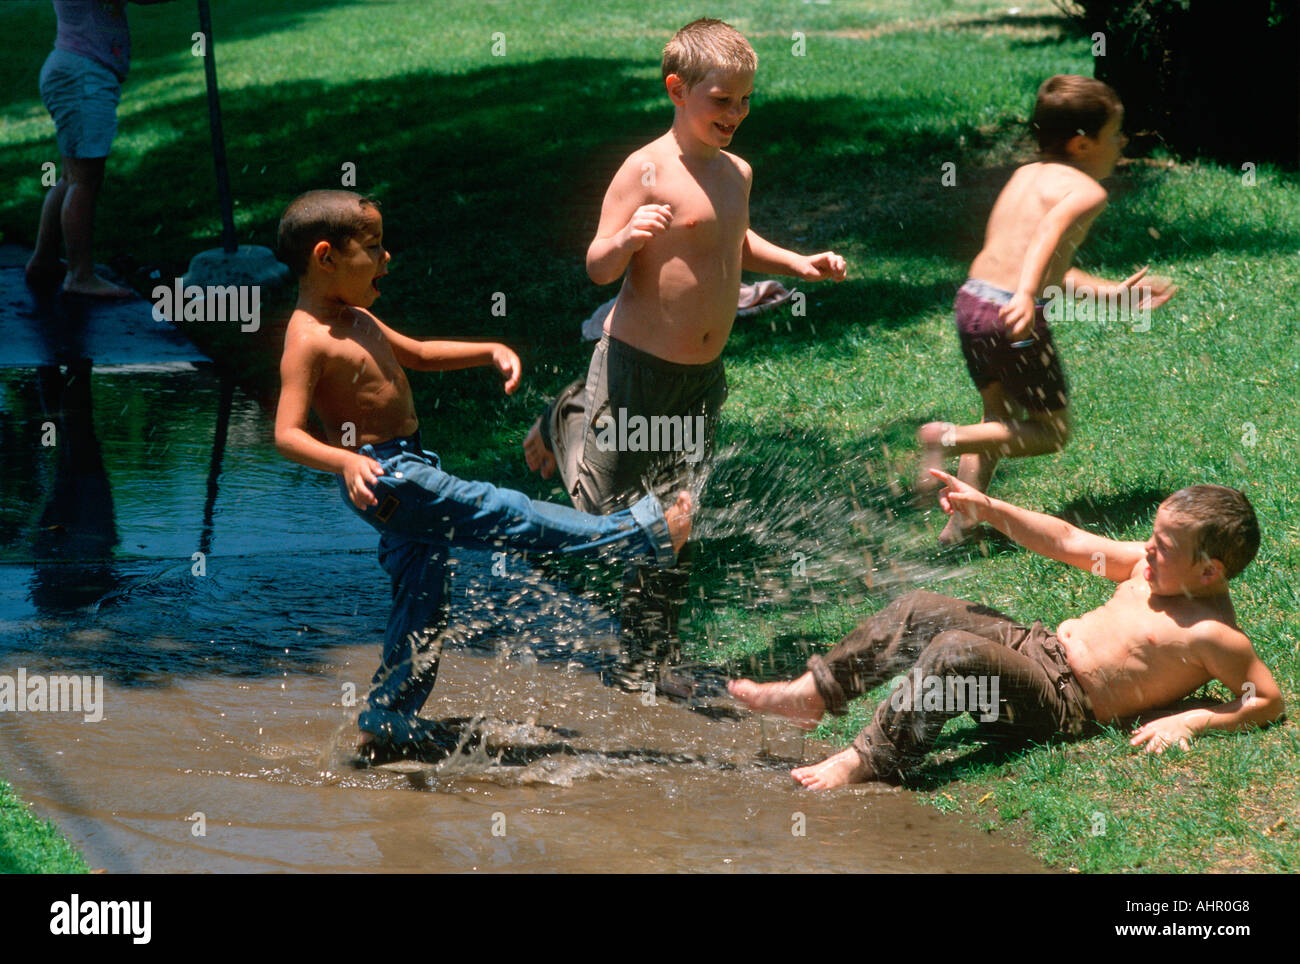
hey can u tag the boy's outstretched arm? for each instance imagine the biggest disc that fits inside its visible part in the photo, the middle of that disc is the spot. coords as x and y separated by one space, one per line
1040 533
446 356
1156 289
1228 656
765 257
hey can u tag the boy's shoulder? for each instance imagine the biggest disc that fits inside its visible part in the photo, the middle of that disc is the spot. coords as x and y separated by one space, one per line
321 335
741 165
656 150
1213 626
1054 179
663 150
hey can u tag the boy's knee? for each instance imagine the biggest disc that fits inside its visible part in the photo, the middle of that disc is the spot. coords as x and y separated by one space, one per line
918 602
1062 425
1059 427
949 654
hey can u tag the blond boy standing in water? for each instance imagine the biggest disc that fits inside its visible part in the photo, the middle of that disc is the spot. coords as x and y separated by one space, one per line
675 227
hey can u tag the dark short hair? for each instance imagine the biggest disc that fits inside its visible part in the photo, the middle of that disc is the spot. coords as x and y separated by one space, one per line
1223 522
333 216
1067 105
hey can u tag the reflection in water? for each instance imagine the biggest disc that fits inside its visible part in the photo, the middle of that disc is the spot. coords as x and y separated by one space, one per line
74 539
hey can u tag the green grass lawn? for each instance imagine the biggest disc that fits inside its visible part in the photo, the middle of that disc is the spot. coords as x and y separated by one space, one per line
32 846
491 171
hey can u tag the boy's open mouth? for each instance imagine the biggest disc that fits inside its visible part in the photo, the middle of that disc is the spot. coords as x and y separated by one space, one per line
374 282
726 129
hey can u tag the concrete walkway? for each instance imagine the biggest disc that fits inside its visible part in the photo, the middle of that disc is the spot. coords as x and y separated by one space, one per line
53 328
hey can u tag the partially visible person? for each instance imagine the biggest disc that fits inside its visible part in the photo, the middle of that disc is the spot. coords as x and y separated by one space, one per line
81 83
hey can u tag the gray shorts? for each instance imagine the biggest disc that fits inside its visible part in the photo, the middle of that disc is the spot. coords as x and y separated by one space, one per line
81 95
637 423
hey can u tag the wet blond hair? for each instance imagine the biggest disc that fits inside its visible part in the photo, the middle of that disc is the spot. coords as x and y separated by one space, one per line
704 45
1223 524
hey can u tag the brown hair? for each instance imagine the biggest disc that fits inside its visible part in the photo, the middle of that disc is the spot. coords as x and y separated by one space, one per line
707 44
333 216
1067 105
1224 524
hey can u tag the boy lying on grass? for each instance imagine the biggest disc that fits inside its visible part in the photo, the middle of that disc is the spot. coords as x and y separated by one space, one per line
346 365
1168 629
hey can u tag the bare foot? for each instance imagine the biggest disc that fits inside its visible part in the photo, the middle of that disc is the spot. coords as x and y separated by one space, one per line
957 531
797 700
44 274
679 519
930 437
95 287
839 770
536 454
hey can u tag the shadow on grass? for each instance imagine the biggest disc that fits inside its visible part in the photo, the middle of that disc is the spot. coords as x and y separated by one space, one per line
1112 514
160 37
985 747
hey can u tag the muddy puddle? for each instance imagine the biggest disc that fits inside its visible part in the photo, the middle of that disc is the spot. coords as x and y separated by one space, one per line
226 695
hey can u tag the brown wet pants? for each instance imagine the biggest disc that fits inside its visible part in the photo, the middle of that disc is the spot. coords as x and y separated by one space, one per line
953 656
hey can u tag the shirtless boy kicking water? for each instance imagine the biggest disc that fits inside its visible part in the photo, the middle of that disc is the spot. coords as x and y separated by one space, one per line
1168 629
675 227
1039 219
346 365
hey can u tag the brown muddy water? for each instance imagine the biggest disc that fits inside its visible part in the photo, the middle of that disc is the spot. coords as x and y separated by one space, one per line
225 719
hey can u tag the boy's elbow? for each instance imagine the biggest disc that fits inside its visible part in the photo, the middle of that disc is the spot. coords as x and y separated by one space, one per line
1276 710
598 273
284 442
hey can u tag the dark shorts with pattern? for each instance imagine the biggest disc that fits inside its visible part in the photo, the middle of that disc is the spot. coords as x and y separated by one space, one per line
1029 370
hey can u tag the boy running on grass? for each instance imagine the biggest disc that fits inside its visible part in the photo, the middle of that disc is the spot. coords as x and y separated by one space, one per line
675 227
1168 630
1040 218
346 365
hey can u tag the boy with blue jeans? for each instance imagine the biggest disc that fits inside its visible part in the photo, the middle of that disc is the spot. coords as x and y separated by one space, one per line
81 83
343 363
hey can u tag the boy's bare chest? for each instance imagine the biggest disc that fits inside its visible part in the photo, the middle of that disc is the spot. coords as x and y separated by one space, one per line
707 212
1157 626
362 362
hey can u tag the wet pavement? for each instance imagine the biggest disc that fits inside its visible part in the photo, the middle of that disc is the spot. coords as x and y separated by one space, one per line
234 608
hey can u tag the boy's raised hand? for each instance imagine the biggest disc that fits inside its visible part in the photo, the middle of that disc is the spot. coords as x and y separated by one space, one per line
1155 291
648 221
1018 315
827 266
957 496
507 363
360 474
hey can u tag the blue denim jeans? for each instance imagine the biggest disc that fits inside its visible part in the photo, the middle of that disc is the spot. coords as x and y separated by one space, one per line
421 513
